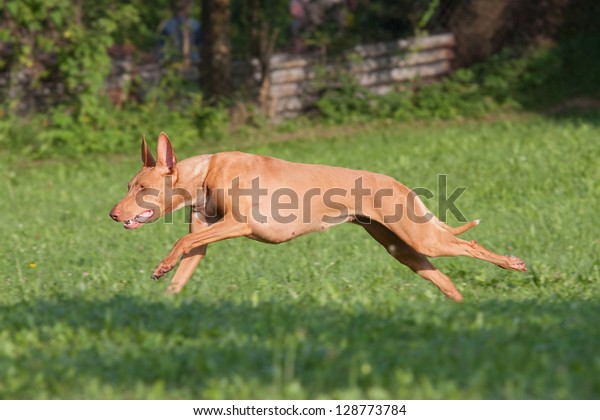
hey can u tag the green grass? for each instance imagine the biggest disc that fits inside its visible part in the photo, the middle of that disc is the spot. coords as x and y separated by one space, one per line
325 316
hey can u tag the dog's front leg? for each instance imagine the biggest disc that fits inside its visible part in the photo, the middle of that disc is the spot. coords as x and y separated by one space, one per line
226 228
189 261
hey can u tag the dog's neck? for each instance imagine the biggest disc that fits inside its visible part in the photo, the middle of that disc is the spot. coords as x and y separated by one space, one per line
191 175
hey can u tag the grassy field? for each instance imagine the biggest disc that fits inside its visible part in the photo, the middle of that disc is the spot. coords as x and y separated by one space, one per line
325 316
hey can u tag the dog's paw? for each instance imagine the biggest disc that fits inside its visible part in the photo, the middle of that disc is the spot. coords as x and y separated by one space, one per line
162 269
516 263
173 289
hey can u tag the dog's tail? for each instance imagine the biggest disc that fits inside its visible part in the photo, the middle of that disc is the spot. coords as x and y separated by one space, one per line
460 229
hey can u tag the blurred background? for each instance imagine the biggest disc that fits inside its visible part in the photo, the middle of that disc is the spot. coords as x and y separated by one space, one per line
80 75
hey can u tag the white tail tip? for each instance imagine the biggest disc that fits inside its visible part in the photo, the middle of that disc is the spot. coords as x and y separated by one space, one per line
477 221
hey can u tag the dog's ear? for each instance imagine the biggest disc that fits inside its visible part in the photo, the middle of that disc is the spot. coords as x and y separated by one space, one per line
147 157
166 157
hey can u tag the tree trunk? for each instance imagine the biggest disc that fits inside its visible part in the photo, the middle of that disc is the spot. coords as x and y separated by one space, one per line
263 40
476 23
215 66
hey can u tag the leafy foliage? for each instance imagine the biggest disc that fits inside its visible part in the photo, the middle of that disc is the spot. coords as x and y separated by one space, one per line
247 15
507 81
62 41
62 46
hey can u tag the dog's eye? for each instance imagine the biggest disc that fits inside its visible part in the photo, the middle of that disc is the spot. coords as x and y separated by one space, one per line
142 187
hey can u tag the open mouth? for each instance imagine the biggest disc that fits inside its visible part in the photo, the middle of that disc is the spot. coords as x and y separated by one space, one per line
138 220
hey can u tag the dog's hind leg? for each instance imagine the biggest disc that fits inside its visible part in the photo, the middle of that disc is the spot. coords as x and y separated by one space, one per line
459 247
431 240
419 263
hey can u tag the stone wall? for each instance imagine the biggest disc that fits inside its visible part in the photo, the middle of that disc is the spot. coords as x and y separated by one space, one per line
294 82
377 67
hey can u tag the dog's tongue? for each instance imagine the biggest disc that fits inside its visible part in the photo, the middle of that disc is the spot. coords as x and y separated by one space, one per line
144 216
131 224
138 220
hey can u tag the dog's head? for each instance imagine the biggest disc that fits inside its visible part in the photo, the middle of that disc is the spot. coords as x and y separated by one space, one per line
150 192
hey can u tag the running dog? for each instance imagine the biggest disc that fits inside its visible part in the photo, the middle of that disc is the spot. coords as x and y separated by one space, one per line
270 200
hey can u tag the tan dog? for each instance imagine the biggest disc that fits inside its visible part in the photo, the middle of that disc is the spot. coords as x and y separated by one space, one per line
270 200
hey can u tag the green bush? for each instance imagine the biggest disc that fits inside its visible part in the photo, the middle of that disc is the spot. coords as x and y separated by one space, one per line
109 129
507 81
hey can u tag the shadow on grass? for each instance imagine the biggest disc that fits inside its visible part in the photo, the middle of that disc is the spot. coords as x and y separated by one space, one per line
570 112
489 350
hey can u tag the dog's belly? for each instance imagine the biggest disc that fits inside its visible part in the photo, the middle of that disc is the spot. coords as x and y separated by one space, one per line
283 232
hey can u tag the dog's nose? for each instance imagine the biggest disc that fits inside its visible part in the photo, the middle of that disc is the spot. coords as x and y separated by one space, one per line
114 215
